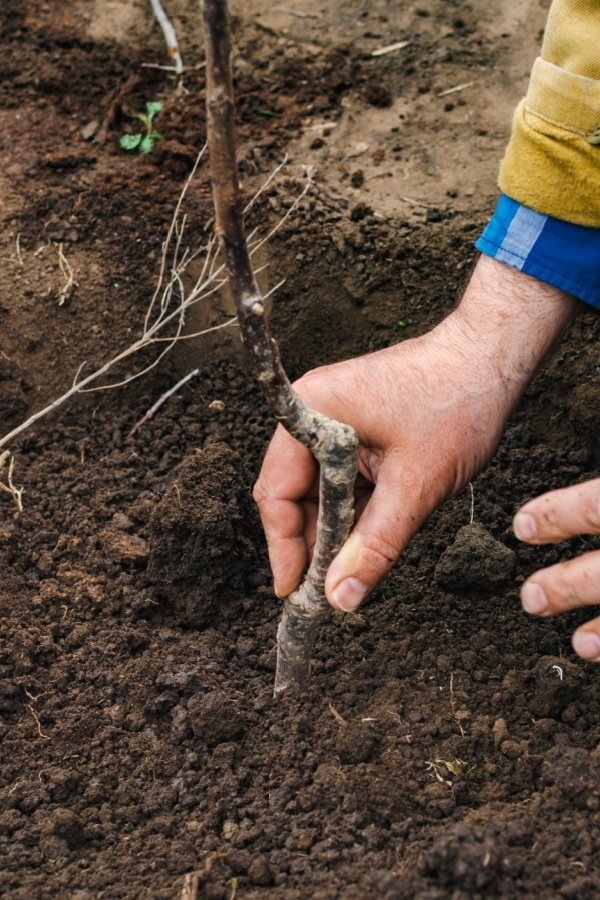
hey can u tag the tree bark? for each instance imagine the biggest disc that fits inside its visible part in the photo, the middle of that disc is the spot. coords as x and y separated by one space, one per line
334 445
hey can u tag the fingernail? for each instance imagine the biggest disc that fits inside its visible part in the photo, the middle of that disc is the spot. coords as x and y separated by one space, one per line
586 645
525 527
349 594
533 598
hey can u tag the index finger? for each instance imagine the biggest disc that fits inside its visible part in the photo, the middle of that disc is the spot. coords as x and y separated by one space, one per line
560 514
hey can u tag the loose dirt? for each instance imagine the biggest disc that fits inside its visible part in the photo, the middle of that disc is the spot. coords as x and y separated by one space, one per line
446 746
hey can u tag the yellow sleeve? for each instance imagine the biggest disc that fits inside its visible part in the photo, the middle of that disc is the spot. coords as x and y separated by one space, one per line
552 163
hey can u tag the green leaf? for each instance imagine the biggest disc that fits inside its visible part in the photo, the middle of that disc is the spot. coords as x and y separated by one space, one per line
401 324
153 109
147 144
130 141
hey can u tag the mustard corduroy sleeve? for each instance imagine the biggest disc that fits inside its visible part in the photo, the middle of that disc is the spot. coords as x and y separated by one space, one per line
552 163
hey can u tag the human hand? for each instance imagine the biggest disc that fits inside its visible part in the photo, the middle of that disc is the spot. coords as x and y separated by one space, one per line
428 413
557 516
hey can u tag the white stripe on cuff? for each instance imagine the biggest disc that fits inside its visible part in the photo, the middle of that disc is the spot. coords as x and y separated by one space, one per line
521 235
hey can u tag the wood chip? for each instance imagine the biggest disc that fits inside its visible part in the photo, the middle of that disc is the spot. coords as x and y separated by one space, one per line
339 719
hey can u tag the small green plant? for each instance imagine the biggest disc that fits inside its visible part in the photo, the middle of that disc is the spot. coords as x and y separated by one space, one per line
146 141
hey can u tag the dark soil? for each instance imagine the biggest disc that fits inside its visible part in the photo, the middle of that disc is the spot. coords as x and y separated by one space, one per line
447 745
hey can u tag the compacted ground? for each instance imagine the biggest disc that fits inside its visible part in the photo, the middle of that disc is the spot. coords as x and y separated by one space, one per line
447 744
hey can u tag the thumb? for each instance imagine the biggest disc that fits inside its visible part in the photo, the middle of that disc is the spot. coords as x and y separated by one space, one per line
373 547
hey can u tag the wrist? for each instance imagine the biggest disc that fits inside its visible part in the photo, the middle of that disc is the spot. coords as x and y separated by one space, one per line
510 321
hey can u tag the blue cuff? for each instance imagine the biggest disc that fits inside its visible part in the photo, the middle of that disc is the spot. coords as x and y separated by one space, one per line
556 252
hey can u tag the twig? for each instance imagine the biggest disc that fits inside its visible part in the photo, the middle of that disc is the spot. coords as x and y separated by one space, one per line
191 884
15 492
334 445
195 68
399 45
415 202
169 33
338 718
18 247
457 89
162 400
157 66
378 175
296 13
472 516
321 125
37 722
166 310
67 273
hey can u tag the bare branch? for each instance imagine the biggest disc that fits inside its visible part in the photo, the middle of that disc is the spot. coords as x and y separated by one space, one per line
163 399
165 316
169 33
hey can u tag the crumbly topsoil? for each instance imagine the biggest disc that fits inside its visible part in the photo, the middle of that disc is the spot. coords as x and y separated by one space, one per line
446 746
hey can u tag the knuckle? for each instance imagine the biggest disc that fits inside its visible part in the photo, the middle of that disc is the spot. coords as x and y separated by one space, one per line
579 581
568 586
589 505
259 492
309 385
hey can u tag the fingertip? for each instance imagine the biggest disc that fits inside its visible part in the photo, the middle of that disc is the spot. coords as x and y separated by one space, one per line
533 598
285 584
287 569
346 564
525 527
586 644
348 595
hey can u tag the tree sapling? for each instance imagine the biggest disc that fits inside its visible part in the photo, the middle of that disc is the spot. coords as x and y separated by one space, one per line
333 444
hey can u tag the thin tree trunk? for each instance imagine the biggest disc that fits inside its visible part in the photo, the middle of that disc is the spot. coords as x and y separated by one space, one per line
333 444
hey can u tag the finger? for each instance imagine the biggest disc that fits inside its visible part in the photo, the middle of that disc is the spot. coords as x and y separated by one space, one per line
373 547
283 522
561 514
567 585
586 641
287 476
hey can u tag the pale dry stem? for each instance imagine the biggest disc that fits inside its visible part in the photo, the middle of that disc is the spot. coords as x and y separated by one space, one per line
166 313
10 487
37 721
67 273
169 35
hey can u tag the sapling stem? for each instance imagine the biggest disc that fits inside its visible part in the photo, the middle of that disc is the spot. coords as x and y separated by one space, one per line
333 444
